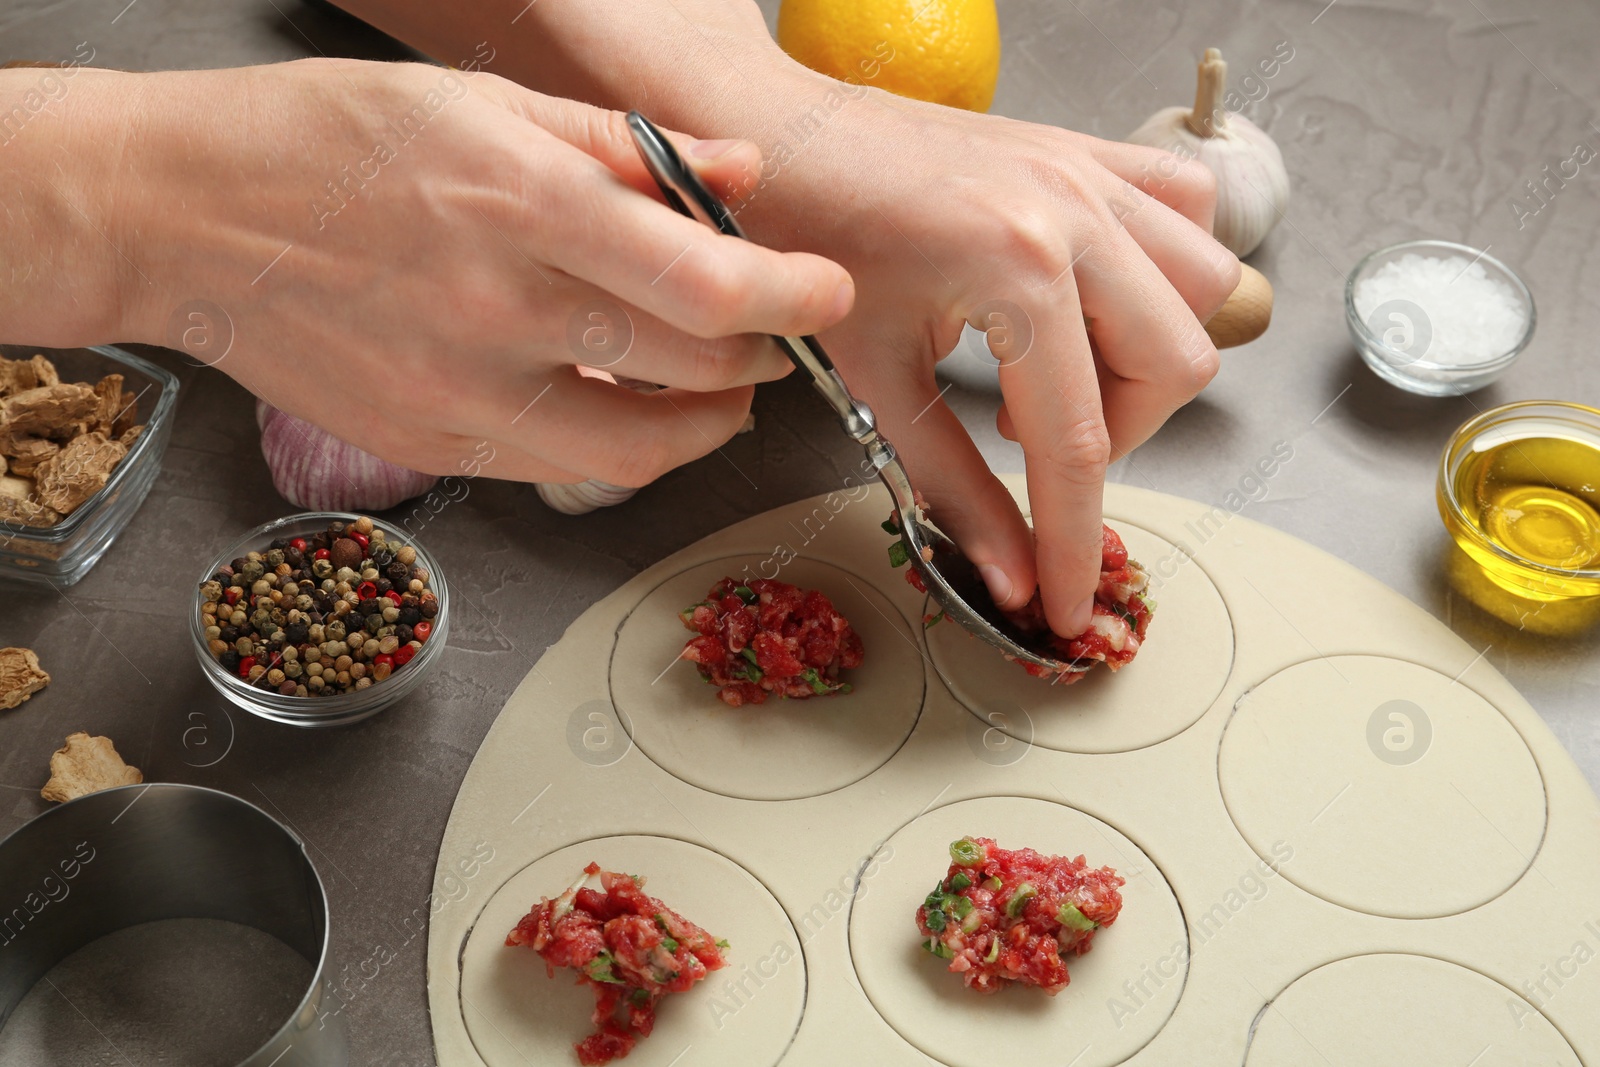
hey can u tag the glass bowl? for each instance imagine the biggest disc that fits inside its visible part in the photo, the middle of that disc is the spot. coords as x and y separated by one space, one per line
344 708
59 555
1395 343
1550 448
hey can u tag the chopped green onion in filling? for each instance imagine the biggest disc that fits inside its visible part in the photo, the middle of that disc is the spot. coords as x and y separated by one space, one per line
1073 919
1019 899
967 852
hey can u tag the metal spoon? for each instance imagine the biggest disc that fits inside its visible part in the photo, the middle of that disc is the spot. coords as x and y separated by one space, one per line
950 577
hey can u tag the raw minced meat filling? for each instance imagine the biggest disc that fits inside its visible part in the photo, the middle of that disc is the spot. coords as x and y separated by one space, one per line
1122 612
631 948
767 636
1002 915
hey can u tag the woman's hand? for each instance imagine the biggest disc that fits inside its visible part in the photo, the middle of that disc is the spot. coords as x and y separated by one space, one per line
940 216
420 259
1089 264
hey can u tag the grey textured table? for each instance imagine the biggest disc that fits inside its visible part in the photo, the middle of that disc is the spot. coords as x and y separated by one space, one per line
1397 120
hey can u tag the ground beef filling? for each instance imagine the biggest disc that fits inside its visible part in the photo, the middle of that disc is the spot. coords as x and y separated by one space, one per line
1117 627
1002 916
627 945
767 636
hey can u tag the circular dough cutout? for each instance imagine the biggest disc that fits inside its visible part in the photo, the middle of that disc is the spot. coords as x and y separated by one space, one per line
1394 1010
744 1015
782 749
1098 1018
1177 675
1399 792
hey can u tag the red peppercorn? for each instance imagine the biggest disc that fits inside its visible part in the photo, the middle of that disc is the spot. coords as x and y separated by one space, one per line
232 594
359 538
394 595
298 543
422 630
383 657
403 654
245 665
321 553
366 590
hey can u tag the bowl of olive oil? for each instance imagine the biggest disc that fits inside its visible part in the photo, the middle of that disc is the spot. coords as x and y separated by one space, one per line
1519 491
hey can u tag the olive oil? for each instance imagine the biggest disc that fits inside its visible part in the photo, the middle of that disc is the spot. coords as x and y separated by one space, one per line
1532 488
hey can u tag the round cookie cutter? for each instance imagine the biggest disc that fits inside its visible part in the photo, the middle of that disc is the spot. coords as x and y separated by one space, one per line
140 853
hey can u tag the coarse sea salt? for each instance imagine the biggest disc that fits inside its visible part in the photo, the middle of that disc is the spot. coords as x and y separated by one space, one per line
1468 315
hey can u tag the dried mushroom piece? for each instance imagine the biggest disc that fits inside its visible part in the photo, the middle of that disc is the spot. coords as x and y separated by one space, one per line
77 472
20 676
130 435
53 411
15 488
26 513
20 375
87 765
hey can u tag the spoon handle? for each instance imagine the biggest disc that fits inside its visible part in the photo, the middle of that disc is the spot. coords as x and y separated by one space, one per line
688 194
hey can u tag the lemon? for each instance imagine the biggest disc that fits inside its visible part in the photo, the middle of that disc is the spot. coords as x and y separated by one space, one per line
942 51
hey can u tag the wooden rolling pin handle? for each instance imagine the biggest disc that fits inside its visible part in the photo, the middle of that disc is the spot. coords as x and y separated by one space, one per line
1246 314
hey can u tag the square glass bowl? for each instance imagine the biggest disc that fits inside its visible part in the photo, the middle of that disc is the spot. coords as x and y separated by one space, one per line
59 555
1395 344
344 708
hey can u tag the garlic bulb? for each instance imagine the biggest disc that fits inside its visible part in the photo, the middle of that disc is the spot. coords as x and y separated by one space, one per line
1252 184
315 470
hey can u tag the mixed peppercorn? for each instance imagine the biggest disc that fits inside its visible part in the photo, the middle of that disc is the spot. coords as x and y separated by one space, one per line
321 615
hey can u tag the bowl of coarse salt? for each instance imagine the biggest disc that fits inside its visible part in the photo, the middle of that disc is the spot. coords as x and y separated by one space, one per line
1437 318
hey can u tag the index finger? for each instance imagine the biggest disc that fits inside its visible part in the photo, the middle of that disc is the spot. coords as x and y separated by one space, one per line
1052 395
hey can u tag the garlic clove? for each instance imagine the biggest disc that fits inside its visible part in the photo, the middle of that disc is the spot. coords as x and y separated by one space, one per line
582 497
313 469
1252 182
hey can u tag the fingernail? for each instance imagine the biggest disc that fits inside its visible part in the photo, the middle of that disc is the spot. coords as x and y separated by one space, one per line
998 582
842 300
1078 621
712 149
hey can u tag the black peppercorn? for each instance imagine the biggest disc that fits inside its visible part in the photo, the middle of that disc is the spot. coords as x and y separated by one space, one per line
410 616
280 543
384 585
369 606
429 608
297 633
231 633
403 633
230 661
294 557
382 557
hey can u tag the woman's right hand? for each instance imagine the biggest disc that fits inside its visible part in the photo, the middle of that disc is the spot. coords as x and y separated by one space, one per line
420 260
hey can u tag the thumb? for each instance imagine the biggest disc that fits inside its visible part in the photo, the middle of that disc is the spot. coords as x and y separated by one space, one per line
728 166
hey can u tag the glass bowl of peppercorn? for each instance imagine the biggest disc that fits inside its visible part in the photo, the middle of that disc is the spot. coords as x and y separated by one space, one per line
320 619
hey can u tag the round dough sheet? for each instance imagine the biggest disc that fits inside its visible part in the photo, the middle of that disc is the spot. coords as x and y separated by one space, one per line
1093 1022
1402 793
781 749
1396 1010
741 1016
1178 673
1314 790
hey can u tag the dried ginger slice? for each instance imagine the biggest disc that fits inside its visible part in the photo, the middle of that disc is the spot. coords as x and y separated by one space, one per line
49 411
20 375
87 765
20 676
26 512
77 472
